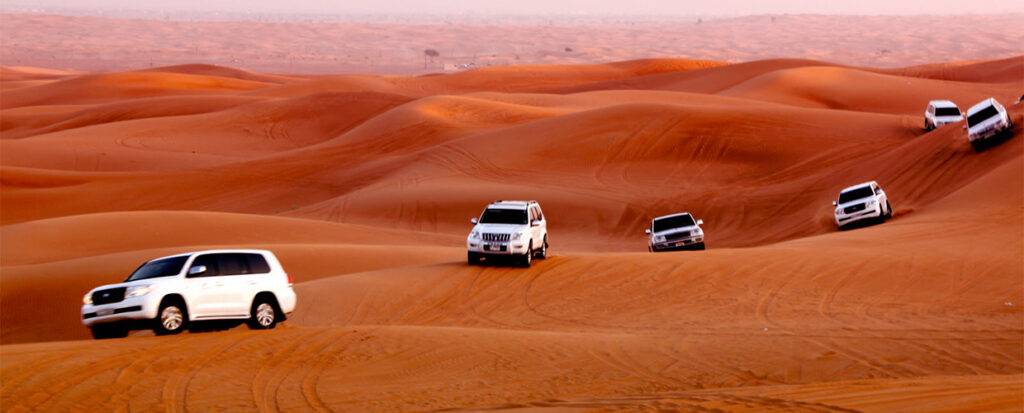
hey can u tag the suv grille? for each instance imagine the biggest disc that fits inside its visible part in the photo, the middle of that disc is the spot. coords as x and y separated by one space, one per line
854 208
112 295
495 237
678 235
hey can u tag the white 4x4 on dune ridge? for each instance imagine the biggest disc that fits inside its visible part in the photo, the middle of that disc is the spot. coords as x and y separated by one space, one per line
861 202
168 293
515 229
985 121
941 112
675 232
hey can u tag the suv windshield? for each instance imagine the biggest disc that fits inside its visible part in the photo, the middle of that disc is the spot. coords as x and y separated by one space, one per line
947 112
982 115
503 216
679 221
165 267
855 194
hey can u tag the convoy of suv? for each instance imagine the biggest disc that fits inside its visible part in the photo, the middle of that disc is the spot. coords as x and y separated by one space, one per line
168 293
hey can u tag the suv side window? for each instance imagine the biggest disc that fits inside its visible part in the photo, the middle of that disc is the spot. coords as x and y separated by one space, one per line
540 215
210 262
232 264
257 264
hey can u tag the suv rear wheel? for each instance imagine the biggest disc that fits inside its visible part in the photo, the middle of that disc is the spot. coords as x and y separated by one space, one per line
264 314
171 318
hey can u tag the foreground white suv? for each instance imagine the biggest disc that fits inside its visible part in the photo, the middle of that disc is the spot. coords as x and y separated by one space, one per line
941 112
515 229
675 232
861 202
167 293
985 121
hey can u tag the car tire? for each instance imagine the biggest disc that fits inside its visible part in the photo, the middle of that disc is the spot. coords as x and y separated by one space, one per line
927 126
888 210
543 252
171 318
978 145
472 258
105 331
526 259
699 247
264 314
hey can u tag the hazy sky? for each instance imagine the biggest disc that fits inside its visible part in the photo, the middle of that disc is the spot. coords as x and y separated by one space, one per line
647 7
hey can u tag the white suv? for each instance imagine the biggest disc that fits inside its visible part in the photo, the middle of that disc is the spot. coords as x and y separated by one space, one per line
675 232
941 112
986 120
514 229
861 202
167 293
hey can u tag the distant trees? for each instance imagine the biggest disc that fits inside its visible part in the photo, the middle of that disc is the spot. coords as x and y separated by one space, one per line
431 54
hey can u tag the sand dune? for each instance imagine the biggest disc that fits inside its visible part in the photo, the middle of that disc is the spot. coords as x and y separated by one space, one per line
364 184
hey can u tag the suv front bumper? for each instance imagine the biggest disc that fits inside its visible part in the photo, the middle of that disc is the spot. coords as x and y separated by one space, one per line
678 244
496 248
131 308
846 219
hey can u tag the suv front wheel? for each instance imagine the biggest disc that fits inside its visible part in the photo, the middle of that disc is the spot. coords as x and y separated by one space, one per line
171 318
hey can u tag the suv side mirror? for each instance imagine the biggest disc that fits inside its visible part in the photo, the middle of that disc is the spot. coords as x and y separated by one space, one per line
834 203
196 270
535 223
473 221
700 222
647 231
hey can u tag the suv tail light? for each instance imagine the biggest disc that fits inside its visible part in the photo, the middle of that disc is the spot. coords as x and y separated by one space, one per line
290 281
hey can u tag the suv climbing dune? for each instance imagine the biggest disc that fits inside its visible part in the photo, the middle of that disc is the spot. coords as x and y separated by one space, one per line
515 229
941 112
861 202
986 122
675 232
168 293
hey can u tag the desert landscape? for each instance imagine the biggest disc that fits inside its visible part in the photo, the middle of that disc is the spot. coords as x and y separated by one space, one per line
392 44
364 184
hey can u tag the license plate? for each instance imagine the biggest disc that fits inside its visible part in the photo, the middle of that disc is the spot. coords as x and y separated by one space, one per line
106 311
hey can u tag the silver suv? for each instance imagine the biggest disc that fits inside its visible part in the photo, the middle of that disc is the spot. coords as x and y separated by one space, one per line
675 232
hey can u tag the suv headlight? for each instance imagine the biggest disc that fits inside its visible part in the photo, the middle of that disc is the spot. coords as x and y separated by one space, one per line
138 290
475 234
516 236
659 238
872 202
87 299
